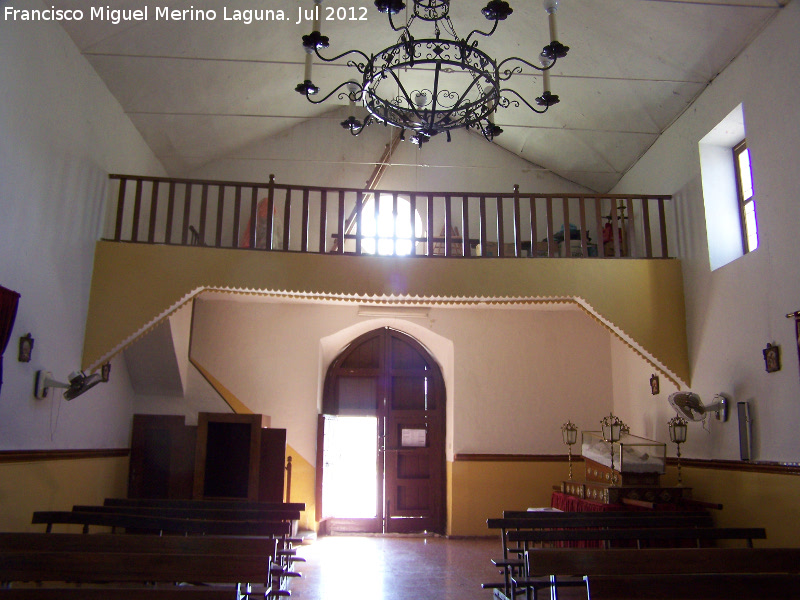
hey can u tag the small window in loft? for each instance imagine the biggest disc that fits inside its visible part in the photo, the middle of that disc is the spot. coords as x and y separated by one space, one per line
747 201
392 231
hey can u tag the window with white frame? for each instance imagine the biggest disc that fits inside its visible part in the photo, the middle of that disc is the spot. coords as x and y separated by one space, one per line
728 198
747 199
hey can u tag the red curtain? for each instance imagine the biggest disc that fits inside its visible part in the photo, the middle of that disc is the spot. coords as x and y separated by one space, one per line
8 312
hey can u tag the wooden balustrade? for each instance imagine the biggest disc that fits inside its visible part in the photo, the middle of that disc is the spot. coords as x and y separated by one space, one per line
274 216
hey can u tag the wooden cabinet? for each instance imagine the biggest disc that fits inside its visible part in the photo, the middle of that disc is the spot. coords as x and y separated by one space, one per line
225 456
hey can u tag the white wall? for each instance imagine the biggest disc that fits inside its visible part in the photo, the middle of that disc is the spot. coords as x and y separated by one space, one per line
735 311
62 133
517 373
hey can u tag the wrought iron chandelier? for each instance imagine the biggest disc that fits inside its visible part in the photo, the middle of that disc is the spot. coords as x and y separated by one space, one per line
433 84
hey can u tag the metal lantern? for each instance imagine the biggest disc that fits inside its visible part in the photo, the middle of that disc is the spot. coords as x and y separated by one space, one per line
678 428
569 433
612 428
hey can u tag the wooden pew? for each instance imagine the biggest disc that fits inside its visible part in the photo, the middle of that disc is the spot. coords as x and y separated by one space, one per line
200 512
669 573
190 503
158 524
91 567
87 559
148 544
511 563
698 535
213 514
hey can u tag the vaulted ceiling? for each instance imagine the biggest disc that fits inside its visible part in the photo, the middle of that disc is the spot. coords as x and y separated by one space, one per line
203 91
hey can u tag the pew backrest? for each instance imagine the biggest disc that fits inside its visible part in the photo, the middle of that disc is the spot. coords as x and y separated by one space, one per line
648 534
214 514
191 503
147 544
161 524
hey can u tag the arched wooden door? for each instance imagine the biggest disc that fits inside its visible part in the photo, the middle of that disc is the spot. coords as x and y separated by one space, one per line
388 374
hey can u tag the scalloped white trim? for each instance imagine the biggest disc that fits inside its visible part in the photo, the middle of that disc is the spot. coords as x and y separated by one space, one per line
403 300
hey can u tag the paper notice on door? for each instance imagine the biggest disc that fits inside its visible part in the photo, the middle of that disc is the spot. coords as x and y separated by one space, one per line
413 438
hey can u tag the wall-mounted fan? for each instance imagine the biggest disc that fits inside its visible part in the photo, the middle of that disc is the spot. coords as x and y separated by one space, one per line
689 405
78 383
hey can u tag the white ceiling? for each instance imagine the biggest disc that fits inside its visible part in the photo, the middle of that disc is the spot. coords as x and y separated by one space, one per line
201 91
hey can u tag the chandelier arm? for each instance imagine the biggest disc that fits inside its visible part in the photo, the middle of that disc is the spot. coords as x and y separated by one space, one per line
342 95
483 33
525 102
343 54
525 62
403 28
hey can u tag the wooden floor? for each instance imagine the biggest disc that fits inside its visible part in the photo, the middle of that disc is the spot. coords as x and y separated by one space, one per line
396 568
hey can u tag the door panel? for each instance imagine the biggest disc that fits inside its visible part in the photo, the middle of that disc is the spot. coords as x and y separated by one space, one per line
388 374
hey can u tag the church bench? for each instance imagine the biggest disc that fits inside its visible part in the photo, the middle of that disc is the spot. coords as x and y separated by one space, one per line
698 535
132 523
511 562
123 545
213 514
147 544
137 568
668 573
159 524
191 503
111 592
194 513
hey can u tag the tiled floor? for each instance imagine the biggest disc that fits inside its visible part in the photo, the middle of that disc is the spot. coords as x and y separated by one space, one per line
395 568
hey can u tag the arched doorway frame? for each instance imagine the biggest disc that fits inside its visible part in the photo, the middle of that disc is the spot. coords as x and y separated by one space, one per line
437 348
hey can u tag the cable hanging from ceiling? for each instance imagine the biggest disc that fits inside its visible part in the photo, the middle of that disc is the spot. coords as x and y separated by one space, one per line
437 82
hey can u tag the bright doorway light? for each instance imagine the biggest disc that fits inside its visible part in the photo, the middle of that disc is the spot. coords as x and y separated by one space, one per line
350 467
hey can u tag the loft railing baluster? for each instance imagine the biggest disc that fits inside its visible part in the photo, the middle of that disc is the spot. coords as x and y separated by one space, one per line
394 223
662 219
252 229
137 207
448 235
203 212
120 209
187 207
482 225
323 221
237 207
517 224
413 222
304 224
287 218
534 227
548 204
220 215
270 232
567 229
615 228
430 233
151 231
582 225
359 221
170 211
648 240
341 219
598 217
631 229
501 234
466 248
